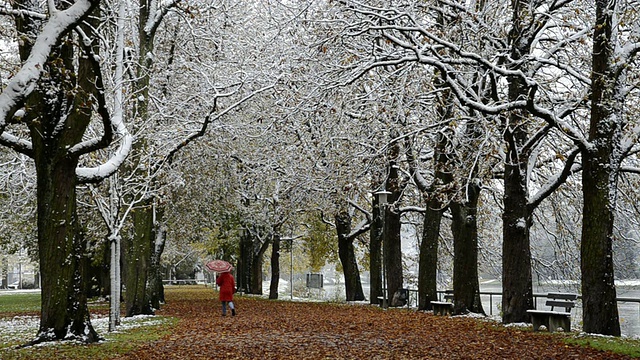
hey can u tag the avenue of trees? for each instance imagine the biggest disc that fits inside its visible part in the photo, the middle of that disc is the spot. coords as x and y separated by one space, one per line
145 133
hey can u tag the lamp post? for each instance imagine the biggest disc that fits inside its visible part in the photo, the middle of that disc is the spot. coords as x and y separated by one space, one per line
382 203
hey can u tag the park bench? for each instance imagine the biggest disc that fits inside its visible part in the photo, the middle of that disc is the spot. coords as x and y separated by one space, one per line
552 319
443 307
400 297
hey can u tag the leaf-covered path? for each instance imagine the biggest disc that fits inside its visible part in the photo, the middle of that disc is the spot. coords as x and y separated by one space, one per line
287 330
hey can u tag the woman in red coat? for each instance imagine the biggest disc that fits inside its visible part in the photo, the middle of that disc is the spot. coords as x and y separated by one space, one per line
227 285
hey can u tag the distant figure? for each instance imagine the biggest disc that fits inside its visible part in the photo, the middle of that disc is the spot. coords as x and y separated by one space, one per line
227 285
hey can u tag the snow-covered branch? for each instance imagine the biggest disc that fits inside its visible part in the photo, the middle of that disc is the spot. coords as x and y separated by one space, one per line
569 168
211 117
113 123
24 81
158 13
6 9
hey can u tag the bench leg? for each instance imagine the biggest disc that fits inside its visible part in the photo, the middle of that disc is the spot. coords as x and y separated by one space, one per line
441 309
556 322
539 320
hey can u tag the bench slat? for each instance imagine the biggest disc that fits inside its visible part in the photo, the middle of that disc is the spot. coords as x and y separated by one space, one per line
565 296
558 303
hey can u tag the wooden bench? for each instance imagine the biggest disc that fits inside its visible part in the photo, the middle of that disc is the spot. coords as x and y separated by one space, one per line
443 307
552 319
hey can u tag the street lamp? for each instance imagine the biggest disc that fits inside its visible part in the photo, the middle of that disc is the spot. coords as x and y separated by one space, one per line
382 203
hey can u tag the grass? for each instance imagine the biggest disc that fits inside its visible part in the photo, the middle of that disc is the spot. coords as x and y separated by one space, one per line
18 325
20 303
619 345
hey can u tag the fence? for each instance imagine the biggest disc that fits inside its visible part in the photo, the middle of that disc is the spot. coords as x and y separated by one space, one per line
413 298
20 280
184 282
628 310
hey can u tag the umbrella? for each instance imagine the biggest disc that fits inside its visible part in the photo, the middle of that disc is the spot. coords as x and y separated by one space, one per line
219 266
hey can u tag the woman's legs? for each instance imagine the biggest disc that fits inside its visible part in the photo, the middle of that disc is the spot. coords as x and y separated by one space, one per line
224 308
233 308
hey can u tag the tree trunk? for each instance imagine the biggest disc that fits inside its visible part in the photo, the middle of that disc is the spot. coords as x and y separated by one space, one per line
599 180
375 254
275 268
517 290
428 260
464 226
155 288
61 247
259 248
244 263
346 252
393 253
137 260
256 275
435 199
600 309
392 240
64 310
517 293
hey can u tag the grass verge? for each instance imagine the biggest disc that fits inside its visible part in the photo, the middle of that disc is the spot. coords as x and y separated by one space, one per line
618 345
19 302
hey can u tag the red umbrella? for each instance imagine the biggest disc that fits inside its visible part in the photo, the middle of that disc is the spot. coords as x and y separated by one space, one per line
219 266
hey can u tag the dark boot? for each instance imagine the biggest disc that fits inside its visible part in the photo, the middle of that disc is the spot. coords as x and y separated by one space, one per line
233 312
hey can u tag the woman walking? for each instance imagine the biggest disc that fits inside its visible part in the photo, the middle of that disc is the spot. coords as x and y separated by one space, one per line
227 285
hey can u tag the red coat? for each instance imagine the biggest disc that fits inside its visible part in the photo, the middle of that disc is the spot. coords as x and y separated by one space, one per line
227 285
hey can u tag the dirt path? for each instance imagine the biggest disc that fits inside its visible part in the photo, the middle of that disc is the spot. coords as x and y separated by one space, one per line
283 330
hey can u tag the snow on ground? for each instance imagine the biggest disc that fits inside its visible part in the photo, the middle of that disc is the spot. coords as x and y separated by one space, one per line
20 329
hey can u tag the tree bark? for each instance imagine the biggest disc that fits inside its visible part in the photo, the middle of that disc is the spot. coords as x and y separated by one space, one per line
256 275
375 254
517 296
65 313
244 263
428 258
155 288
137 258
275 268
352 282
464 226
601 165
435 197
259 247
392 239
